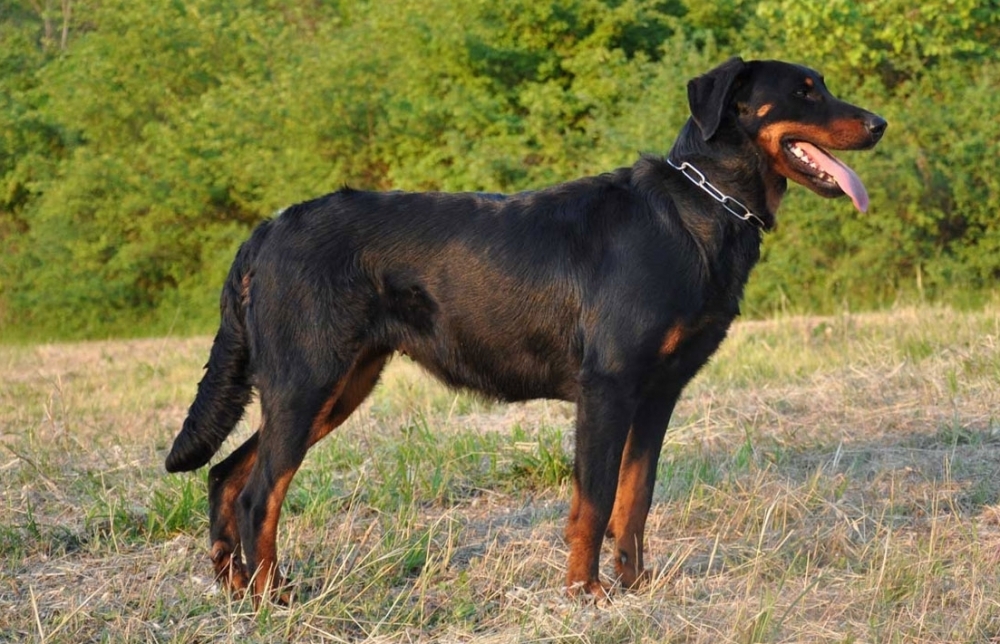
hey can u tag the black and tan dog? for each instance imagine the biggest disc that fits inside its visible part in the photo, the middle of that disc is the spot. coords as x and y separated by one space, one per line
609 291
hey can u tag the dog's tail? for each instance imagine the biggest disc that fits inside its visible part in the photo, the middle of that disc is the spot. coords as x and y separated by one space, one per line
226 388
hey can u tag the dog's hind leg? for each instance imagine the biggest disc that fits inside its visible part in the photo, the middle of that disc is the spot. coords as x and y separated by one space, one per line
293 426
356 387
225 482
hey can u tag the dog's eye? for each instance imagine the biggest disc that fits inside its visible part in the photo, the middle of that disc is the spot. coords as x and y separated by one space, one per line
806 93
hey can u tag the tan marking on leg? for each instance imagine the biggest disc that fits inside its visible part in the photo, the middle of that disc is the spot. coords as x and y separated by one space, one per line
350 392
267 578
584 547
628 518
225 553
346 395
322 424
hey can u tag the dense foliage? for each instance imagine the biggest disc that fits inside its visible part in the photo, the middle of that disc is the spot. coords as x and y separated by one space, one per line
140 141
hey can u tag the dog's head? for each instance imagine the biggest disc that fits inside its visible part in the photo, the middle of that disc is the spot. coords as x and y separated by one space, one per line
793 119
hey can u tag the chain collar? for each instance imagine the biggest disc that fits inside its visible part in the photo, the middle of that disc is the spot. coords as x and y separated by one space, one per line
695 176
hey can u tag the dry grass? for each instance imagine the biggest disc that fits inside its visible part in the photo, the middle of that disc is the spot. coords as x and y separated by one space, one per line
826 480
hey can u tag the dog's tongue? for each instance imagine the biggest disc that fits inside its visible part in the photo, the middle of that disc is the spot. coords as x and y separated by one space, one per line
846 178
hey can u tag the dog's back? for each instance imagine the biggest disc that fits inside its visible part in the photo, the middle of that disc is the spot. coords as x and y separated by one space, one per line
488 292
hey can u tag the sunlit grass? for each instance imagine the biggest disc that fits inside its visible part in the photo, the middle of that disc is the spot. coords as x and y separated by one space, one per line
826 479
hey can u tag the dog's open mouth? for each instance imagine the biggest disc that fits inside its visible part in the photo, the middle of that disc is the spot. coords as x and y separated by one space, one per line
828 173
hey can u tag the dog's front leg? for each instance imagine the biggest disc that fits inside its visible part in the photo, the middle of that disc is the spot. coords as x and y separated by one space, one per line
604 413
635 483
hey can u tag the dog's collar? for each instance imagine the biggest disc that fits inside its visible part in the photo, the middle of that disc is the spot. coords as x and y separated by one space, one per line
695 176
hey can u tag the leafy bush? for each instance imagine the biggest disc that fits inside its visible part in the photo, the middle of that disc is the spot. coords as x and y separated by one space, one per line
137 154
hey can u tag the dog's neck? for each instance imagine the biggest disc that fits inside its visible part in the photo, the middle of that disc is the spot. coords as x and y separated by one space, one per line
734 165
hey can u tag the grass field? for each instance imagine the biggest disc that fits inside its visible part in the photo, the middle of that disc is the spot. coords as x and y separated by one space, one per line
825 480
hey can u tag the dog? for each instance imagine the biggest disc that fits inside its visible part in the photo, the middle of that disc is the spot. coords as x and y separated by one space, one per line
609 291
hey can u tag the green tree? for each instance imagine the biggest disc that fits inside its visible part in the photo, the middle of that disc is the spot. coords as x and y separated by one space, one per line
140 143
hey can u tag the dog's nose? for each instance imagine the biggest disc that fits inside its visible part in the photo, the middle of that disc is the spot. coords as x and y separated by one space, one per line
876 126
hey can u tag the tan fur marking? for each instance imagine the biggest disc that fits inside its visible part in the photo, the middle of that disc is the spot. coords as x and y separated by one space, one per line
584 546
628 519
764 109
228 562
245 290
839 135
322 421
267 575
672 340
350 392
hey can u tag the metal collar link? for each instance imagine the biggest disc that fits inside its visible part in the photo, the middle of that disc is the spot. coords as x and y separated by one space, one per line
740 211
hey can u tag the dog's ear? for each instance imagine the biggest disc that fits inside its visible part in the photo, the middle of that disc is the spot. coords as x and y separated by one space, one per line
709 93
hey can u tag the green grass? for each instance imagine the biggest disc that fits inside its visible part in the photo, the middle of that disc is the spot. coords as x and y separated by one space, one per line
825 480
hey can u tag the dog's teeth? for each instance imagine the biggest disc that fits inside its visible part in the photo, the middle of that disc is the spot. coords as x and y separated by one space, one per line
800 154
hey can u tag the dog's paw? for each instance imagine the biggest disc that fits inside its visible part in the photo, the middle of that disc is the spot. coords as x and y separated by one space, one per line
594 589
229 571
